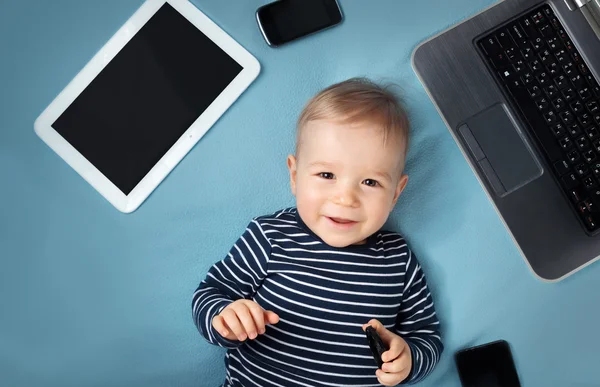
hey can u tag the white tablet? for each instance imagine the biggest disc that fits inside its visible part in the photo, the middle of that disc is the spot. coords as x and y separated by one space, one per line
143 101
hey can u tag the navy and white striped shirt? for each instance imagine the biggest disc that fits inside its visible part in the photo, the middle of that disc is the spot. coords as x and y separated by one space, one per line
323 295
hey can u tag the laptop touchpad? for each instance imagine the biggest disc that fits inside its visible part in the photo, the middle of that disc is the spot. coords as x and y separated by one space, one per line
496 142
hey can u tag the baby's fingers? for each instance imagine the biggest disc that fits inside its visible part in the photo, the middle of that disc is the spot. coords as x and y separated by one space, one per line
245 317
257 315
220 326
271 317
400 365
232 322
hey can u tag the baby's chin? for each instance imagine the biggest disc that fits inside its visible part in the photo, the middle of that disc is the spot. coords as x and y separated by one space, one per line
341 242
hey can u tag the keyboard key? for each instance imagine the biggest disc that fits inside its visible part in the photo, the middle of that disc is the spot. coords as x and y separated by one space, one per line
536 66
550 118
592 133
491 46
595 194
564 37
573 156
554 69
576 194
567 117
518 35
561 167
542 104
553 43
512 54
585 93
569 69
561 82
499 60
538 44
568 43
582 208
585 119
588 182
570 180
538 18
581 169
558 129
593 106
565 143
546 30
534 91
520 65
582 68
561 56
578 81
529 28
591 205
577 107
546 56
596 145
596 169
574 130
527 78
508 74
554 22
551 91
590 222
558 103
504 39
569 93
582 143
543 79
589 156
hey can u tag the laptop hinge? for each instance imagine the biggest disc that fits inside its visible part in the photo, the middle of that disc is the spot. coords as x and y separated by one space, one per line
576 4
591 11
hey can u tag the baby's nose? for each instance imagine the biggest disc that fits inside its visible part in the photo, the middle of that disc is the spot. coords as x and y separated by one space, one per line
346 196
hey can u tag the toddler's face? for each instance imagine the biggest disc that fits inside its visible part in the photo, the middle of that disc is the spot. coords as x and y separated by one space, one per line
346 181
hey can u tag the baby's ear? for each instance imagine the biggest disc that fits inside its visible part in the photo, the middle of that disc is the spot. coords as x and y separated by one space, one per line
291 163
399 188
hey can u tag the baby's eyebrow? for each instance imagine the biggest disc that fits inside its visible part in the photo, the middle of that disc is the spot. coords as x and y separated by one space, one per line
385 175
320 164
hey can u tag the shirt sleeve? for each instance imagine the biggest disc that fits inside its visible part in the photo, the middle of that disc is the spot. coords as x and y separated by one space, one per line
237 276
418 324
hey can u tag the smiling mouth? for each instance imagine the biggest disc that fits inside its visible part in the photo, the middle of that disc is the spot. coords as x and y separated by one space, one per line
342 221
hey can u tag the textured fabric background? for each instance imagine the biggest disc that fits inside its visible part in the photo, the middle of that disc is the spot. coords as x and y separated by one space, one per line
93 297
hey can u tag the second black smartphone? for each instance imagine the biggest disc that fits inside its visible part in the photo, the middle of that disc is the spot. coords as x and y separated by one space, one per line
285 20
488 365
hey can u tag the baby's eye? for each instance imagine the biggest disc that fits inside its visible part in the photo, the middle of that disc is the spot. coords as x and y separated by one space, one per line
326 175
371 183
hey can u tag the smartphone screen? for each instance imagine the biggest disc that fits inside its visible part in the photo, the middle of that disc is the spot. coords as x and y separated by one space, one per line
286 20
488 365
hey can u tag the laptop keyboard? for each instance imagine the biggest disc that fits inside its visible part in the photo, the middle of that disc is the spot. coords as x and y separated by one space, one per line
536 61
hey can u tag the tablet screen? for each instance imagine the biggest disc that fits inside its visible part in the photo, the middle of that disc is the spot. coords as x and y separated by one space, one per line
141 103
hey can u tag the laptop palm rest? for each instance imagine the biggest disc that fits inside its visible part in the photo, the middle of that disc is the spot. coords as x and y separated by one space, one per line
497 145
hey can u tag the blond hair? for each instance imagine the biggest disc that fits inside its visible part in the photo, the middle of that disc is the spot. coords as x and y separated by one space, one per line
359 100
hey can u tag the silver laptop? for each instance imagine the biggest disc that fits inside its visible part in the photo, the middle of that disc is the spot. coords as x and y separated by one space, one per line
518 88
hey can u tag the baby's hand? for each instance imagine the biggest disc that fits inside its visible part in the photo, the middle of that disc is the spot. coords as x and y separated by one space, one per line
397 360
243 319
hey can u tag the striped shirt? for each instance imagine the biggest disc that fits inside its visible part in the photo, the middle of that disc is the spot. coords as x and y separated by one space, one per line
323 295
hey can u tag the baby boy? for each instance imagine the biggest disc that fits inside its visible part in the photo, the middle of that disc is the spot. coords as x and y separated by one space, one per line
294 295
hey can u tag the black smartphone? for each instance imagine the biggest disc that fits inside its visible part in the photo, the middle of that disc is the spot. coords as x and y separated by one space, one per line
488 365
376 344
285 20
